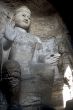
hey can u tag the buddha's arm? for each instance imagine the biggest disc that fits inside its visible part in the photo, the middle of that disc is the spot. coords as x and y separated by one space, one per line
6 43
9 37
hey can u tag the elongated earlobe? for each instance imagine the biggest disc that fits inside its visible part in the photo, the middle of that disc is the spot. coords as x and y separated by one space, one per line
13 18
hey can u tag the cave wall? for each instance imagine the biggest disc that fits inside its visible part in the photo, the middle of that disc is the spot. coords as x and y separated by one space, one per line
49 27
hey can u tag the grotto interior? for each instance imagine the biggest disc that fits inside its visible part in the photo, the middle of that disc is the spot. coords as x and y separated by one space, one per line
51 80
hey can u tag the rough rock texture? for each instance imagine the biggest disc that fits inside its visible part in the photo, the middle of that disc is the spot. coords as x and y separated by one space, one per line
37 85
47 24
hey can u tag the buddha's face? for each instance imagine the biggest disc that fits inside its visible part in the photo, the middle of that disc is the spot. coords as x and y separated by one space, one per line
61 48
22 19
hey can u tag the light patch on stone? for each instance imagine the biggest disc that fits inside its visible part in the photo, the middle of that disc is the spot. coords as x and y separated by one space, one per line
68 86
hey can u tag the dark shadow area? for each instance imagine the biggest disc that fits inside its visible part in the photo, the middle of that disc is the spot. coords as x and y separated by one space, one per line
46 107
64 7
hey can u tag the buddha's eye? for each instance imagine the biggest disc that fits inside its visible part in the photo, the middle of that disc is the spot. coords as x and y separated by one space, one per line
24 15
29 18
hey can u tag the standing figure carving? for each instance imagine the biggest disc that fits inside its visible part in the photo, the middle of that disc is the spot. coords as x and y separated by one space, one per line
21 65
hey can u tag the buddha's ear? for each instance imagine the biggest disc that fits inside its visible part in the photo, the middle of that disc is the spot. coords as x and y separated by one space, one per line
13 18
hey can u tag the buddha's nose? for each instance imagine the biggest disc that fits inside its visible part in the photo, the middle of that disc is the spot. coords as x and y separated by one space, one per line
26 20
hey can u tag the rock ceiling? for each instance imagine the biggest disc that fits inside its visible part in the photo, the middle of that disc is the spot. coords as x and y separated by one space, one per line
43 6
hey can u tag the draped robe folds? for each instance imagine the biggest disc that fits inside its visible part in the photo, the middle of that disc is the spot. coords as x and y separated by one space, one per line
36 78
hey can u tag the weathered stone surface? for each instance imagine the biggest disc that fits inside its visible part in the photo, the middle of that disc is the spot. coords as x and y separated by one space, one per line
0 59
3 104
69 105
37 84
45 27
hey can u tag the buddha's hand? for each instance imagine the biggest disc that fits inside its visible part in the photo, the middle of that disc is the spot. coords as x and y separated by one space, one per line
10 33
